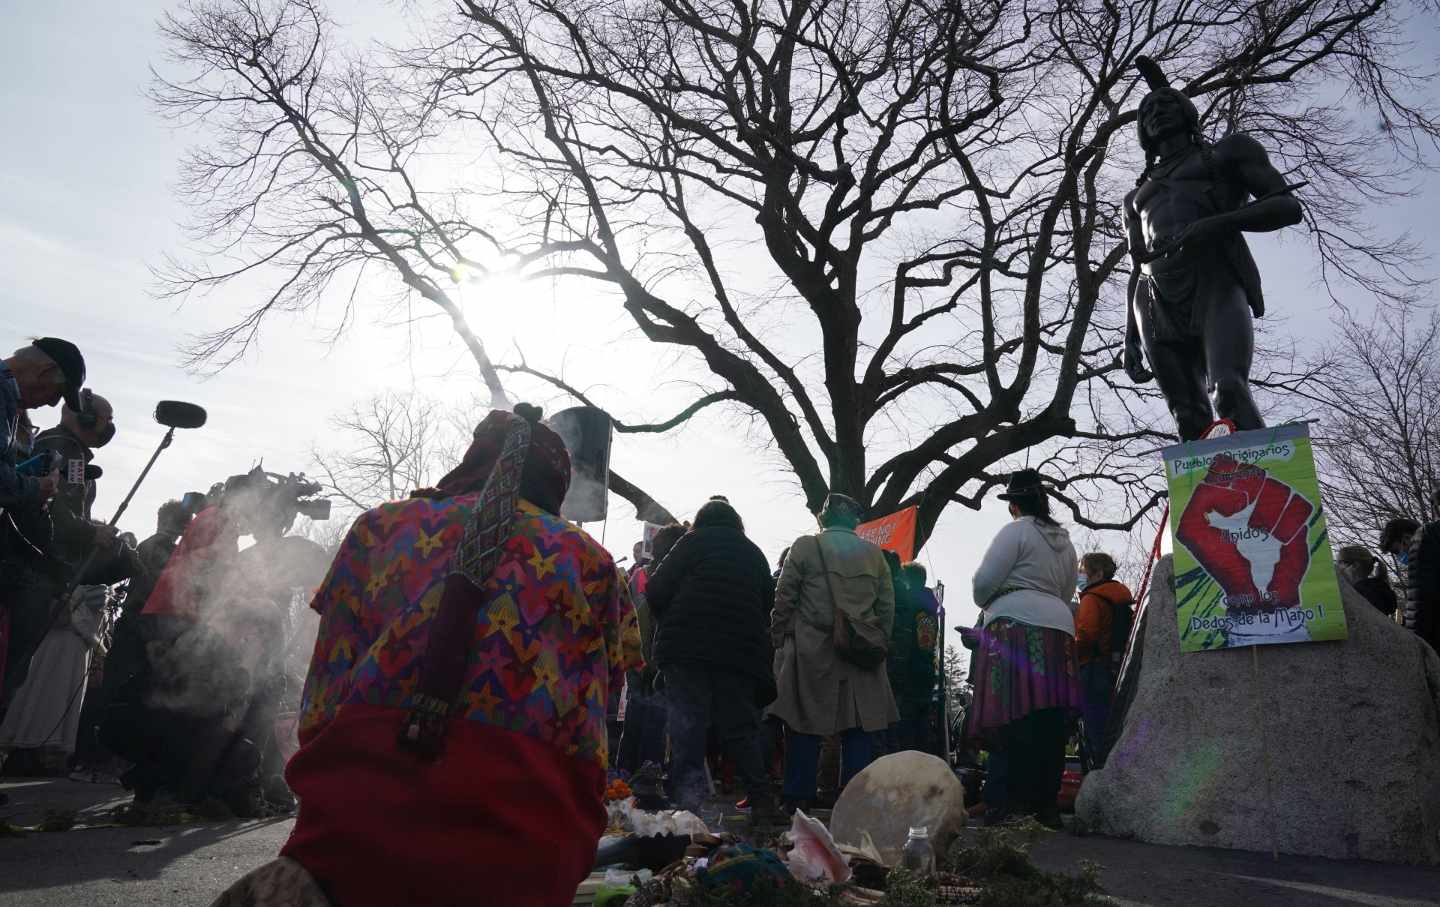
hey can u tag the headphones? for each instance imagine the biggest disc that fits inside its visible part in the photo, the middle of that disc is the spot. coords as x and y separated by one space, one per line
87 418
86 415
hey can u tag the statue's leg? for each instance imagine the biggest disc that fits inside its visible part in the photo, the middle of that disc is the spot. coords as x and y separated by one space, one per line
1180 372
1229 352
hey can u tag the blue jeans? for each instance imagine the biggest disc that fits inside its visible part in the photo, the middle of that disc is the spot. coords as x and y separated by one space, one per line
996 793
802 763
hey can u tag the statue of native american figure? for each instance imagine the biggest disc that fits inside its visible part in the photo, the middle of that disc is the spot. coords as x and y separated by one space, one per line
1195 283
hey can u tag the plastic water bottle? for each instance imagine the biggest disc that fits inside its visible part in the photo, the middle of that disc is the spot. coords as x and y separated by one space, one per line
918 857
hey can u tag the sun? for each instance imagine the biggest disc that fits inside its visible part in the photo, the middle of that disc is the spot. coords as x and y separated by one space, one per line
503 305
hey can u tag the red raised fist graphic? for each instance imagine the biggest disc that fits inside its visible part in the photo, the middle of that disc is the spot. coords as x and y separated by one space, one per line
1240 524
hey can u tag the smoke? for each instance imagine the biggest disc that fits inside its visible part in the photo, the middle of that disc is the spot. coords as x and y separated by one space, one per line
586 432
586 499
252 633
691 783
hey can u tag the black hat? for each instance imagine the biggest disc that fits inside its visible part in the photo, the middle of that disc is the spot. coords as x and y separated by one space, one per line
1024 483
72 364
842 506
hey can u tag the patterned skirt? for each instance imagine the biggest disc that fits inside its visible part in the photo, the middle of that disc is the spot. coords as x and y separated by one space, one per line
1020 669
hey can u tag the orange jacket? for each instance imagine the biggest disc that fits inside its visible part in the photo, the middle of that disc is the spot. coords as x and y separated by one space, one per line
1094 620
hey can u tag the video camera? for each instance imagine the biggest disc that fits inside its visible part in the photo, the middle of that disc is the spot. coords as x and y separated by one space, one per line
273 499
301 493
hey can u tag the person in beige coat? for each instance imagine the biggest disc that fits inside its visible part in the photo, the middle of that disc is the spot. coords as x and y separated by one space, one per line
821 693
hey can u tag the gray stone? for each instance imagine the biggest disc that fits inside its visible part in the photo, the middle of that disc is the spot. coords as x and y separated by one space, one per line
1327 749
894 793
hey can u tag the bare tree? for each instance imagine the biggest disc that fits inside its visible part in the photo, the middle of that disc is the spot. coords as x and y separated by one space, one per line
328 534
1379 436
950 171
314 173
889 230
385 448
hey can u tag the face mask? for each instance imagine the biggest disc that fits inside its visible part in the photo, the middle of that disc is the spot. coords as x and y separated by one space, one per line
1403 558
1081 580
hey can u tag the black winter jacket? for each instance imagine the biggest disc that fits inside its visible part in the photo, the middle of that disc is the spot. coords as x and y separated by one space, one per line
711 597
1422 585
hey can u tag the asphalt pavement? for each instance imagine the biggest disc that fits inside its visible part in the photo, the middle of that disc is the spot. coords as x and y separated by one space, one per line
100 863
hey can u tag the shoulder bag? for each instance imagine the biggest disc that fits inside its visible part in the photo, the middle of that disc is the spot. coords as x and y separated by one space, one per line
849 645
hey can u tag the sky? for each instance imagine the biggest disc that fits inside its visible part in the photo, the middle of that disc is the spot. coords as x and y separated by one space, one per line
87 208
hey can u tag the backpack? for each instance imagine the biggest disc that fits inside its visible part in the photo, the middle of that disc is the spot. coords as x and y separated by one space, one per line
1122 618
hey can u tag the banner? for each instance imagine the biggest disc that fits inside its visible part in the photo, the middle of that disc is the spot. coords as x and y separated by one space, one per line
586 432
1252 555
647 540
895 532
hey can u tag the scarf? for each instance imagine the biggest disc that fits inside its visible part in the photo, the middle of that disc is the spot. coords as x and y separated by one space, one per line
508 451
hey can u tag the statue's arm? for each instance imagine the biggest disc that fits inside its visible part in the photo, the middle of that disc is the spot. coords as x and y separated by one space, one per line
1137 249
1133 359
1274 208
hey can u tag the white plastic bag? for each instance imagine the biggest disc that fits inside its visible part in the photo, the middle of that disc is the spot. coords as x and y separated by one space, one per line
665 822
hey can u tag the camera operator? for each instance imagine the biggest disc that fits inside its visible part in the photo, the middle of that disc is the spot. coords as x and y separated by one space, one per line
202 724
158 711
276 566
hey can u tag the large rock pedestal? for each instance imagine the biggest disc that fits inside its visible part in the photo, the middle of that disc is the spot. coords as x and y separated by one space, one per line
1328 749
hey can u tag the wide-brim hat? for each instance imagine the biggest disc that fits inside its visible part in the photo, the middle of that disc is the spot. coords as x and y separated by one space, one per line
1024 483
72 365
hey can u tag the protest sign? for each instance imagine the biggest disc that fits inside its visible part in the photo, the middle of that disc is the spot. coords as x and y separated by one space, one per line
647 540
1252 555
895 532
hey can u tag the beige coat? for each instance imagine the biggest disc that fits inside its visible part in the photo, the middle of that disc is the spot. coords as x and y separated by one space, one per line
819 692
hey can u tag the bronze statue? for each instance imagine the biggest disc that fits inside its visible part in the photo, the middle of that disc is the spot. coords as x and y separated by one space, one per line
1194 283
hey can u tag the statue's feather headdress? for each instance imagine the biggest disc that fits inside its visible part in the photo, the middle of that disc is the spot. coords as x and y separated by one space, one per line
1154 77
1157 82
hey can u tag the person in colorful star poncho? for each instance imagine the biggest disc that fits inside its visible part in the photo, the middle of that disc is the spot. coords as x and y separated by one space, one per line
452 731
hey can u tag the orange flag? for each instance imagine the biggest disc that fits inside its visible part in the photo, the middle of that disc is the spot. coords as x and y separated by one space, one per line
895 532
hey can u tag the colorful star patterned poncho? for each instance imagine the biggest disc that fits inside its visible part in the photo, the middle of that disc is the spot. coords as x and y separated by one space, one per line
511 810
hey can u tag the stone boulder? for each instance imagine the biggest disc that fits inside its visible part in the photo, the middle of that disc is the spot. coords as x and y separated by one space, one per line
894 793
1328 749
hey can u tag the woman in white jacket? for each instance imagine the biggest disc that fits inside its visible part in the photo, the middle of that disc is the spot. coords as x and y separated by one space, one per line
1026 677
